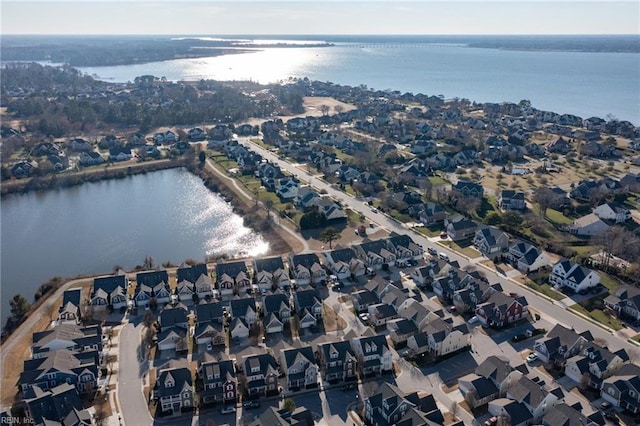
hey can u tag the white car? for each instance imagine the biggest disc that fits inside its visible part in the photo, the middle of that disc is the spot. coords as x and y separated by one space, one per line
532 357
228 410
474 319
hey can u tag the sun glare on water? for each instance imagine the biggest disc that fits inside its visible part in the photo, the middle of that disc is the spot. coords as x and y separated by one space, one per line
261 66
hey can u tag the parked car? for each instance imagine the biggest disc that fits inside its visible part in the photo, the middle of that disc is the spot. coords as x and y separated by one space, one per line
251 404
432 251
605 404
228 410
348 386
364 317
443 235
443 256
339 285
474 319
532 357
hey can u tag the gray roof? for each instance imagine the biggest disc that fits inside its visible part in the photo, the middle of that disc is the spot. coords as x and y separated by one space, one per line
269 264
109 284
232 269
181 376
152 278
192 273
55 404
273 302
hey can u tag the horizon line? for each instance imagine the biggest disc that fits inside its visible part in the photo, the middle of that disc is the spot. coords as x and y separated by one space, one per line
322 34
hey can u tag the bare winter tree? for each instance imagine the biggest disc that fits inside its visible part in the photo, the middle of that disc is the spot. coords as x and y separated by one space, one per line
545 198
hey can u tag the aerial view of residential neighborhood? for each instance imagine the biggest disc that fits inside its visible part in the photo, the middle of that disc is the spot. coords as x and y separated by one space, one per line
431 261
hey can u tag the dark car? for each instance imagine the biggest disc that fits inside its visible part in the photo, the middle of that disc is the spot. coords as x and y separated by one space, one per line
348 386
432 251
251 404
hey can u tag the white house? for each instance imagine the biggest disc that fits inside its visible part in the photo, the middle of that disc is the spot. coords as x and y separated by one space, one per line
576 277
613 211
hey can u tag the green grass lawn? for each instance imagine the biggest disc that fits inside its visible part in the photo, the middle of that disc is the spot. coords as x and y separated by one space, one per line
609 282
598 316
636 338
557 218
437 180
429 231
466 248
545 289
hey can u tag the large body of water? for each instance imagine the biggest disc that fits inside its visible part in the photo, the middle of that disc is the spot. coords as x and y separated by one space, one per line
582 83
88 229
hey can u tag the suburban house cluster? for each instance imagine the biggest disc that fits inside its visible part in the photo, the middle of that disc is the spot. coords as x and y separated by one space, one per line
65 365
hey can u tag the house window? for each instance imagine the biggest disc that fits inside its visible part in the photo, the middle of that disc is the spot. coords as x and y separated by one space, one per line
255 369
168 384
217 376
185 394
334 355
51 376
632 393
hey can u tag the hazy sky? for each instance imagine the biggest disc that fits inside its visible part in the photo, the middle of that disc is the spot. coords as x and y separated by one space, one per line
320 17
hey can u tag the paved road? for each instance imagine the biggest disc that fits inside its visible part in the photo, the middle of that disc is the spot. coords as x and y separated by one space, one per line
555 312
133 406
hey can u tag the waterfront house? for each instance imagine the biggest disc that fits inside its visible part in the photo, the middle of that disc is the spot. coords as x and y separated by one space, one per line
174 387
70 309
232 278
337 361
90 158
270 273
119 153
219 381
66 336
78 368
306 269
184 293
23 168
198 276
299 366
344 263
373 355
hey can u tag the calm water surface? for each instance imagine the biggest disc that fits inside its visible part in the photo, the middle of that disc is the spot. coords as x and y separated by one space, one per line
582 83
169 215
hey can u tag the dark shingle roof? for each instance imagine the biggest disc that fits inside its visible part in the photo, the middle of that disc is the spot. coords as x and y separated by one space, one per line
152 278
232 269
269 264
192 273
